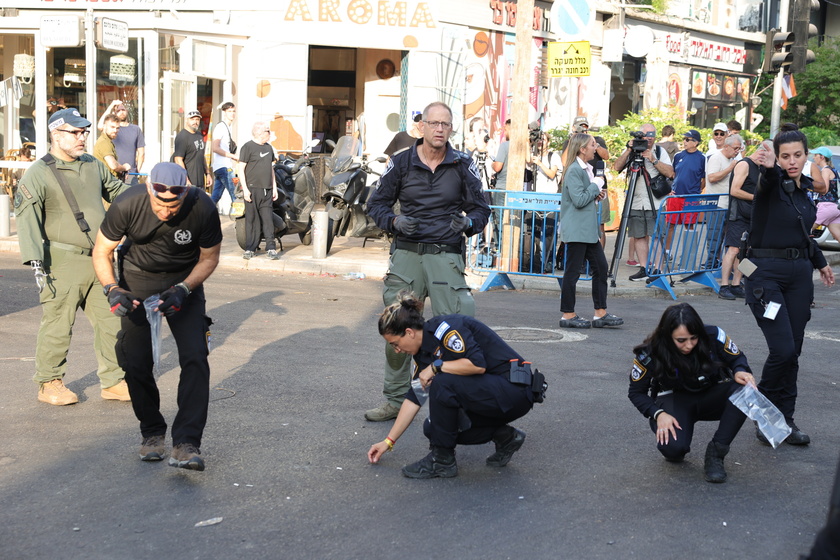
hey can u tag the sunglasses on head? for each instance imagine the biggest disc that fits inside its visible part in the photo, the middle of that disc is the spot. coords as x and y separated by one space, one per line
177 190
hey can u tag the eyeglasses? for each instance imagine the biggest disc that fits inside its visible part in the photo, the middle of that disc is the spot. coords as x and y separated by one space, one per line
77 133
177 190
442 124
720 133
687 139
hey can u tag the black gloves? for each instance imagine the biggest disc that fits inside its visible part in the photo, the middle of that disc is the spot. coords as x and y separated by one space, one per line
460 223
172 300
406 225
122 301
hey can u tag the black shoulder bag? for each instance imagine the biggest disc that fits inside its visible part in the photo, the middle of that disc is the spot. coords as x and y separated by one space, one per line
231 144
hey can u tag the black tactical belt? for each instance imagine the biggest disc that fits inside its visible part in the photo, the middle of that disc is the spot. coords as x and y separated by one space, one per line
790 253
427 248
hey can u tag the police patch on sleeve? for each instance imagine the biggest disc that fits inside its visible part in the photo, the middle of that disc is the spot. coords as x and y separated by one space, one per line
454 342
638 371
474 169
388 167
730 347
721 336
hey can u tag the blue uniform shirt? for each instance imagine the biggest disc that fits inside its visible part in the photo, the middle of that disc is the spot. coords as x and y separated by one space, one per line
689 172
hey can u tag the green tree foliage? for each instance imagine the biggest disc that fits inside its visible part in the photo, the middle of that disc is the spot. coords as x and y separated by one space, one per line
817 103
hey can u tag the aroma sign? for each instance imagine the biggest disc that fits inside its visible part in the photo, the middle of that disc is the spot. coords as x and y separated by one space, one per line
386 13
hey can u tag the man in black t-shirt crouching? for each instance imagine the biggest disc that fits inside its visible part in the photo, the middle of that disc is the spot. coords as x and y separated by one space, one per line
173 238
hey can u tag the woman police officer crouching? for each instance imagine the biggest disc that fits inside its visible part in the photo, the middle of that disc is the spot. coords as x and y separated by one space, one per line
476 385
683 373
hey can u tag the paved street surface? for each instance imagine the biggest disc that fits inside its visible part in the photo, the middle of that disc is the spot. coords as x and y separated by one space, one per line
296 360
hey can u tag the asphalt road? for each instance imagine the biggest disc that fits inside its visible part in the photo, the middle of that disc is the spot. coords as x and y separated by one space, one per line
296 360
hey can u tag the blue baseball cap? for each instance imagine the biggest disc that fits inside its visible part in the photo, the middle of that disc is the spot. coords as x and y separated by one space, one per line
693 134
168 173
823 151
69 116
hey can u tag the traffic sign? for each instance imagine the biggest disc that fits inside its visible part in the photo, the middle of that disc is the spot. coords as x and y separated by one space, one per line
567 59
572 18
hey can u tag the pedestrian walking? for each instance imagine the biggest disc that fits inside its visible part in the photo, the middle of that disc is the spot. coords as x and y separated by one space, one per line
259 188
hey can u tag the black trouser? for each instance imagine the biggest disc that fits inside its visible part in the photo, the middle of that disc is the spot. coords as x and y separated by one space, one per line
789 283
689 408
259 220
189 328
576 254
490 402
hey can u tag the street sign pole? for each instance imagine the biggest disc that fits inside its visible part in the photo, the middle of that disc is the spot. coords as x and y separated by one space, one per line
776 108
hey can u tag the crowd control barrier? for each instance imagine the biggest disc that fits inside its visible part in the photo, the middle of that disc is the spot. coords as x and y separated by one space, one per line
687 241
522 238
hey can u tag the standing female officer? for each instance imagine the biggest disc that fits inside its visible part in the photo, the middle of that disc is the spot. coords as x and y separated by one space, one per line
580 231
780 290
683 373
474 385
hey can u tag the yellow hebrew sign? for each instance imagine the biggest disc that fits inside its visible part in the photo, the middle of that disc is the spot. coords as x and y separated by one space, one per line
569 59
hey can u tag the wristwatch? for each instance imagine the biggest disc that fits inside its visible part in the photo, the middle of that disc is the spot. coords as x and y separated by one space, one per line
436 365
655 162
107 288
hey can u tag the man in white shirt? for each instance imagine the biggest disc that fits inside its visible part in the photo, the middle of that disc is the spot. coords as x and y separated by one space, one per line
224 154
719 168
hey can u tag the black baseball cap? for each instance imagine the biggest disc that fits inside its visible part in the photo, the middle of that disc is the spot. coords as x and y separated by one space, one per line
69 116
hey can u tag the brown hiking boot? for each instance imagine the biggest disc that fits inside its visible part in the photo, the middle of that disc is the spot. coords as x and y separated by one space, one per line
152 448
118 392
54 392
186 456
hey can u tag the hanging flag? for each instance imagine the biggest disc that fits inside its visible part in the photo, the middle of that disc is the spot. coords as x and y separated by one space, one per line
788 89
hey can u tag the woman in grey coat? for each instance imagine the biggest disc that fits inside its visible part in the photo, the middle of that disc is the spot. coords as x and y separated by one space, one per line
579 230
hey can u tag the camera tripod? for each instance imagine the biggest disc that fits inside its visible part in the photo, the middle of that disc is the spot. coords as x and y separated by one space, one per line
636 168
484 250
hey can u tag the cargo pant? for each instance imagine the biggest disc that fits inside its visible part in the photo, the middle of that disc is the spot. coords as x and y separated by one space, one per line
439 277
72 284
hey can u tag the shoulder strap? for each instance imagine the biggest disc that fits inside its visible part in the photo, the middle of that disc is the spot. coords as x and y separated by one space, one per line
68 194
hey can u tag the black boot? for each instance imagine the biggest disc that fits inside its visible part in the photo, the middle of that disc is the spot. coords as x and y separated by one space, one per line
715 452
797 436
508 440
439 463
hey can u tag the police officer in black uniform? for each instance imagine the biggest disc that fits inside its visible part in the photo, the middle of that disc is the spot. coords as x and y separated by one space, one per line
439 191
476 384
683 373
780 290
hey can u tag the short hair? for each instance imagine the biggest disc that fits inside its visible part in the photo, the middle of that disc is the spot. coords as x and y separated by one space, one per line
405 313
576 142
651 125
788 134
668 130
110 117
25 152
227 105
732 138
258 127
473 121
734 125
436 104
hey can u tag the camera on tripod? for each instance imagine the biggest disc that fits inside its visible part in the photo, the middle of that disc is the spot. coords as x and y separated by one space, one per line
639 143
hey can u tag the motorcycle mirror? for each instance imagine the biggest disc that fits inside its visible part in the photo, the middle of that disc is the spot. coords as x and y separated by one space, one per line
312 143
381 159
331 144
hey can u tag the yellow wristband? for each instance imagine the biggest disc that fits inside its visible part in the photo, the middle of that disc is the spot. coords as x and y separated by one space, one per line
390 443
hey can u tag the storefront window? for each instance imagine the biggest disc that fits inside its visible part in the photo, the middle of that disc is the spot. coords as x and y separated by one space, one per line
17 106
118 76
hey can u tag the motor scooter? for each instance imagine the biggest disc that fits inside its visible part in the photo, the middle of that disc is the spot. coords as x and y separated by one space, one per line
296 196
347 192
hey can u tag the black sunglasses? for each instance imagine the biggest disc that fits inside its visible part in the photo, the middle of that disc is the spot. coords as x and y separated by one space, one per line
719 133
177 190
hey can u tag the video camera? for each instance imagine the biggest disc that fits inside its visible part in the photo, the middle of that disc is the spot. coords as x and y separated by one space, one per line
639 143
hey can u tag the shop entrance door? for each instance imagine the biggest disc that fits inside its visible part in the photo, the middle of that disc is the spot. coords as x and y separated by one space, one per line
179 97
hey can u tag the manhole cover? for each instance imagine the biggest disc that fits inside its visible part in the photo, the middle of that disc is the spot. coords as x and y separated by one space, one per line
537 336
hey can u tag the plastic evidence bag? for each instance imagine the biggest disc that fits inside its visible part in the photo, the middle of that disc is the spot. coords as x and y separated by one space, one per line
757 407
155 319
419 392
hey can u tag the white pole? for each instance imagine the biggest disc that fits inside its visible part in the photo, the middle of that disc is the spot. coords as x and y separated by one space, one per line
5 225
776 107
320 225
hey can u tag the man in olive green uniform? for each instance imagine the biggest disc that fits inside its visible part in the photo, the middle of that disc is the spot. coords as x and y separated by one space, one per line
52 241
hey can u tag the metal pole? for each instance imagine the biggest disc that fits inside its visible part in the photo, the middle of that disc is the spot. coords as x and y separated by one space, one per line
776 109
5 225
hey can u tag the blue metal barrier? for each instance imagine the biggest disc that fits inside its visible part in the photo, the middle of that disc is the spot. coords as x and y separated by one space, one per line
687 241
533 220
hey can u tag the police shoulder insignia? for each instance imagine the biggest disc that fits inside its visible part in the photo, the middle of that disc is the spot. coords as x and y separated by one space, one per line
18 198
638 372
474 169
454 342
730 347
442 328
388 167
721 335
22 188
